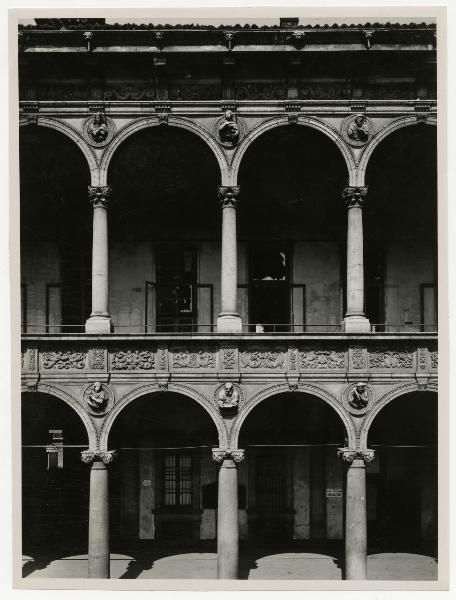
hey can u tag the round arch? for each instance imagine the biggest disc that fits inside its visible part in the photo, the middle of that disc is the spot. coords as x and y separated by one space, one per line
331 133
72 403
379 137
73 135
273 390
386 399
151 389
173 121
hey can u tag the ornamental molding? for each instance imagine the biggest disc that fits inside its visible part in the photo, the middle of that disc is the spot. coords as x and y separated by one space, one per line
98 130
64 360
354 197
228 195
219 455
322 359
262 359
348 455
88 456
357 398
133 360
99 196
98 399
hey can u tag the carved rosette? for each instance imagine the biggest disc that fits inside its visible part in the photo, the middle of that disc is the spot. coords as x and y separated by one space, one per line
98 399
88 456
354 197
219 455
348 455
357 129
357 398
99 196
98 130
228 195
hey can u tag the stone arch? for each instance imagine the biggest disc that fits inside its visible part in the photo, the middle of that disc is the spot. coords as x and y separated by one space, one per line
76 137
400 390
379 137
317 124
307 388
173 121
153 388
73 403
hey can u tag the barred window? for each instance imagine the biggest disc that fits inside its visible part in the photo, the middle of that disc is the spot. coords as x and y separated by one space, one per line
177 488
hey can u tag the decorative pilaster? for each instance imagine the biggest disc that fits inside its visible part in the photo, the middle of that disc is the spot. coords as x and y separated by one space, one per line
355 320
355 512
229 320
227 516
99 321
99 556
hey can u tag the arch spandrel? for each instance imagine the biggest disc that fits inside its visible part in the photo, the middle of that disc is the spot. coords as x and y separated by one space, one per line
152 388
57 392
275 390
172 121
388 397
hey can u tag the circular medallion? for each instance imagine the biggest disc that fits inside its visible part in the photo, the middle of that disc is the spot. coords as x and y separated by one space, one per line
98 130
229 397
357 398
98 399
229 130
357 129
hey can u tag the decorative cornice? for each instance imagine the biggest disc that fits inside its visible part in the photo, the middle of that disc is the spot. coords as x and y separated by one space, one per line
354 196
349 455
88 456
228 195
219 455
99 195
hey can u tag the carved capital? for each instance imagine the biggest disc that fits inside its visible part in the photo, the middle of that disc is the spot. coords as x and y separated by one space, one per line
88 37
368 35
354 197
228 195
88 456
219 455
99 196
229 37
348 455
51 449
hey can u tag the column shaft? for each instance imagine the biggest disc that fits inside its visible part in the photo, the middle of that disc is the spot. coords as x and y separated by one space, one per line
356 521
227 525
99 557
100 262
355 262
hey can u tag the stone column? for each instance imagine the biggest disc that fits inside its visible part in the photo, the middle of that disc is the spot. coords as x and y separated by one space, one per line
355 320
229 320
227 514
98 552
99 321
355 512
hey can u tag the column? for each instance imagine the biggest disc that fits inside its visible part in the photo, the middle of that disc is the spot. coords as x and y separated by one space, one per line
98 551
355 512
229 320
227 514
99 321
355 320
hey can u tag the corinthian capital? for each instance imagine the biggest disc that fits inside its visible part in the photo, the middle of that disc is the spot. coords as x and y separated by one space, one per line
219 454
88 456
348 455
354 196
99 195
228 195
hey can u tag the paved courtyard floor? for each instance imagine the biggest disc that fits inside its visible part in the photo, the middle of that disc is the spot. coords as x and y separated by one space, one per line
299 561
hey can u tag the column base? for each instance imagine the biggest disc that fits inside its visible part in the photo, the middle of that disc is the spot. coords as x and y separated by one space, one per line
98 324
356 324
229 323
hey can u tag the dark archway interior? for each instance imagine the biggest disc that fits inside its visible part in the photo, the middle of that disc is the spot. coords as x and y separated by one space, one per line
164 182
54 486
402 480
291 180
56 216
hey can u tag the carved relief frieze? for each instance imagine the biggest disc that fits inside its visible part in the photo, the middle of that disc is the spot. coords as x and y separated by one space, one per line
433 355
64 360
261 90
261 359
422 359
293 357
130 91
200 359
391 359
162 358
322 359
229 358
325 90
357 358
133 360
97 359
195 91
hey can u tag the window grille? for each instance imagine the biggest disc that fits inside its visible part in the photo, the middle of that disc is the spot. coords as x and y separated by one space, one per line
177 471
270 482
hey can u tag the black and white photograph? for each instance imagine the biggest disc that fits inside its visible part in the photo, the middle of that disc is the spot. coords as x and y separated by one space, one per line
228 232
